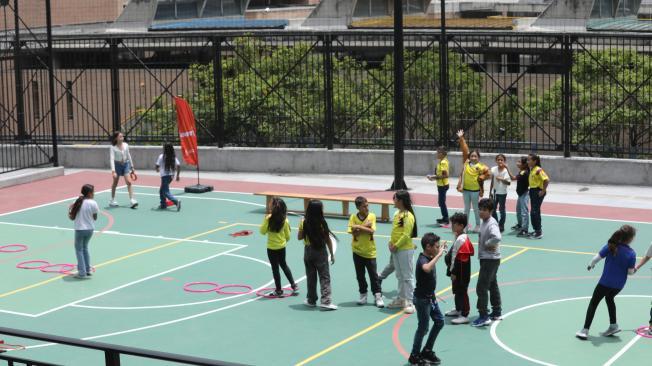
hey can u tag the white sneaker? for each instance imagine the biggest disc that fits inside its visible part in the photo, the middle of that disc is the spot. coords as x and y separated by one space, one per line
113 203
613 329
453 313
396 304
460 320
583 334
309 304
379 300
409 308
134 203
363 299
329 306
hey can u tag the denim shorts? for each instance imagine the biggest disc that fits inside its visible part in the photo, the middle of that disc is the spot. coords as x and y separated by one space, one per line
122 169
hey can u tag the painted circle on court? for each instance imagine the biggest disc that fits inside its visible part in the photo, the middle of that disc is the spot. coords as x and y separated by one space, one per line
17 248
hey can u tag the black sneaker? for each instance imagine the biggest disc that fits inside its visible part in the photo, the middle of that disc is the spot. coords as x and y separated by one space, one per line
523 234
415 360
536 235
516 227
295 290
496 316
439 221
430 358
445 222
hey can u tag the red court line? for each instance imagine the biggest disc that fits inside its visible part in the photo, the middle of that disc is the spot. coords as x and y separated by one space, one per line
67 186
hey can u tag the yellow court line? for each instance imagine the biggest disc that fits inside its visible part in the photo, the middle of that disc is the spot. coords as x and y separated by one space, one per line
120 259
387 319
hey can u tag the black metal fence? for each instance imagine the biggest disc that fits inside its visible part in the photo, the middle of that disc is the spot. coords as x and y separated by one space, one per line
584 94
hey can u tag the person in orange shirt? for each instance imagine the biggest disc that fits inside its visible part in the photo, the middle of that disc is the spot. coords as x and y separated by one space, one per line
471 183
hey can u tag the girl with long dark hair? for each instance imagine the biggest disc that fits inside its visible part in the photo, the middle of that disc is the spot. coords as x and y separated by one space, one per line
277 228
167 163
317 237
620 261
84 213
121 166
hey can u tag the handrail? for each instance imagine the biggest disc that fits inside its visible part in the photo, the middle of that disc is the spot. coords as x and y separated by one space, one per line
114 351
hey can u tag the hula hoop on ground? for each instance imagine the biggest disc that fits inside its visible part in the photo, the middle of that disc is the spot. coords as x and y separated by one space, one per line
21 248
188 287
642 331
247 288
23 265
11 347
61 266
263 292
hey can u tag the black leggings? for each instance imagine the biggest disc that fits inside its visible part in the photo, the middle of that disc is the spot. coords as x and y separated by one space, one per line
609 294
277 259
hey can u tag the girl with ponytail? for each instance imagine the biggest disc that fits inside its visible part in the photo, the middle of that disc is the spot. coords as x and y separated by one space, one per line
404 228
84 213
620 261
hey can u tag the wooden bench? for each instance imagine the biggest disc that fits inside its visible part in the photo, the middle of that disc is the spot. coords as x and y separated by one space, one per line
384 215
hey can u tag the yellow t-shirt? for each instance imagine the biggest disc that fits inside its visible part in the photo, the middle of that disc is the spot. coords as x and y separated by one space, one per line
276 240
402 234
363 244
442 167
537 177
471 174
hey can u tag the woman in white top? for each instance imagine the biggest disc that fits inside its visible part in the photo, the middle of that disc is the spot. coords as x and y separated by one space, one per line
84 212
500 180
121 166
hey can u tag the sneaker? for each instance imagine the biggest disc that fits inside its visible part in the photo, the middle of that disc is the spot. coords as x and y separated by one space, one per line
363 299
113 203
476 229
496 316
523 234
329 306
275 293
460 320
409 308
295 290
134 203
396 304
415 360
583 334
536 235
481 321
454 313
445 224
309 304
178 205
379 300
516 227
439 221
430 358
613 329
80 277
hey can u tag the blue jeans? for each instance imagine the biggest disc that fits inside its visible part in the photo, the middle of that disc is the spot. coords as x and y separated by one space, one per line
427 308
535 213
164 191
522 211
499 205
82 237
471 200
441 201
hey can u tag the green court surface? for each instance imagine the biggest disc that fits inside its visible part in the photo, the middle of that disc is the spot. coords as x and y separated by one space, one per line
146 256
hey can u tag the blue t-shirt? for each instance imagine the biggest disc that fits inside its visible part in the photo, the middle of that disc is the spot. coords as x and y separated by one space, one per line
614 274
426 282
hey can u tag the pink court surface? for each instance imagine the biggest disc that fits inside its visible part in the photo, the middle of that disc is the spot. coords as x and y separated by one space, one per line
145 260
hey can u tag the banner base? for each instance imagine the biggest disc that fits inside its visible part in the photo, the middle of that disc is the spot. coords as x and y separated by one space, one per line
198 188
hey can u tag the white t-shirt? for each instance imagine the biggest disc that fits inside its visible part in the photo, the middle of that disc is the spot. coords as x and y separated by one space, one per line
161 164
499 187
84 219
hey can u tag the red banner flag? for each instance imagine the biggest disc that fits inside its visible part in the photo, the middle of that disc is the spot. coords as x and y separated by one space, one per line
187 131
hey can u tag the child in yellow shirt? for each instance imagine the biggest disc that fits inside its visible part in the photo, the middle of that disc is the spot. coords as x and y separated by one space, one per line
277 228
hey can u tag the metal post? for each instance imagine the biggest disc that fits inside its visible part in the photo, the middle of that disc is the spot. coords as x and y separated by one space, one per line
328 92
567 96
111 358
219 92
115 83
444 90
399 113
18 74
53 103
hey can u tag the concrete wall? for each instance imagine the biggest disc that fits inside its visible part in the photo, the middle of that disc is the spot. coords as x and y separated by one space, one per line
362 162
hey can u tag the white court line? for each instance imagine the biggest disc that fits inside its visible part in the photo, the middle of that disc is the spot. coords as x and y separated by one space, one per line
494 325
52 203
156 325
111 232
622 351
17 313
424 206
185 304
137 281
